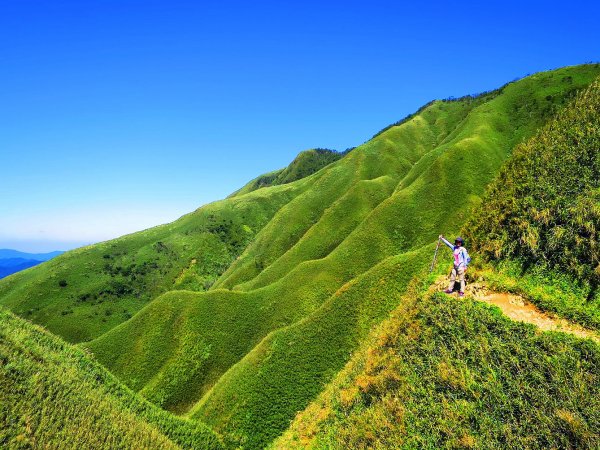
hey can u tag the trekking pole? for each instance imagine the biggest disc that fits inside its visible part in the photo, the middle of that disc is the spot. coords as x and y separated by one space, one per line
434 256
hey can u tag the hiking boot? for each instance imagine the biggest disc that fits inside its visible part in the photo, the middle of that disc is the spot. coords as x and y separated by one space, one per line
448 291
461 294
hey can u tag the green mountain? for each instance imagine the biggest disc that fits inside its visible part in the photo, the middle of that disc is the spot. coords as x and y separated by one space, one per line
239 313
305 164
451 374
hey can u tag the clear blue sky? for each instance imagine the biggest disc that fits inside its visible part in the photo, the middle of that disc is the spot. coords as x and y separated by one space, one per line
119 115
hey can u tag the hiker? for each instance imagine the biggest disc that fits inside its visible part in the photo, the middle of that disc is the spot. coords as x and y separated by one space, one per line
461 261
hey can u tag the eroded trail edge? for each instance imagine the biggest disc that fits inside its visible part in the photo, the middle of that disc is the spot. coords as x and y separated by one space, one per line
518 308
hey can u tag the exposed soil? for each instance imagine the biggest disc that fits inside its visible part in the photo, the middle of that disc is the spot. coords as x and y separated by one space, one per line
519 309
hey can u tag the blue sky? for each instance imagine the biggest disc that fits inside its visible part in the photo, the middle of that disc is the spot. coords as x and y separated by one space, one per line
119 115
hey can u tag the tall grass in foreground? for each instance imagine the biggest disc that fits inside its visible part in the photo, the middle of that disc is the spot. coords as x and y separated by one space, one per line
544 207
443 373
54 395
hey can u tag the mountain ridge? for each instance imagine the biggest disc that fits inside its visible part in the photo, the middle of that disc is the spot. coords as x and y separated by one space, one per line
442 372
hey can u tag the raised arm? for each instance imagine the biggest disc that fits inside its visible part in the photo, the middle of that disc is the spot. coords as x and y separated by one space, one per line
445 241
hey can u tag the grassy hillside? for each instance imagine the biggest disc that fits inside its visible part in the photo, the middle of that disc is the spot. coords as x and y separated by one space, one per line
260 299
305 164
386 197
543 210
56 396
479 138
292 364
280 303
457 374
83 293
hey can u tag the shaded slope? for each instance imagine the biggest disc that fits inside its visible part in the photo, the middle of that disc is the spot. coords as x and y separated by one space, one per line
55 396
295 264
307 163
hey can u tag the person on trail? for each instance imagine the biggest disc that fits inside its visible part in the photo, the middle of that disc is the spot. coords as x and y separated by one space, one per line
461 262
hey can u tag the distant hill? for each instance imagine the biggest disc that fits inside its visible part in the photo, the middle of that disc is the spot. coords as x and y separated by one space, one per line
7 253
12 261
305 164
11 265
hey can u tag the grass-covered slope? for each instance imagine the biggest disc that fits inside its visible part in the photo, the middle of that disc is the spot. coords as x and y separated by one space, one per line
344 198
543 210
421 205
389 196
292 364
282 302
305 164
443 373
448 374
54 395
456 147
85 292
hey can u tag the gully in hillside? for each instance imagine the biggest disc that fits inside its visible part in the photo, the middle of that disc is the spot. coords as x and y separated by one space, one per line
461 262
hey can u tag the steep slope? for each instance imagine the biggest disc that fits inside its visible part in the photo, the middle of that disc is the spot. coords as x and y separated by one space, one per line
280 303
55 396
287 277
448 373
544 208
457 374
409 218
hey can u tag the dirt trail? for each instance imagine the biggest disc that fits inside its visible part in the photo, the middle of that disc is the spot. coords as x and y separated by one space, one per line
519 309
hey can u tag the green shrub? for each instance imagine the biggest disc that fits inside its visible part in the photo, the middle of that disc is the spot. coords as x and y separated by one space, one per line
544 207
